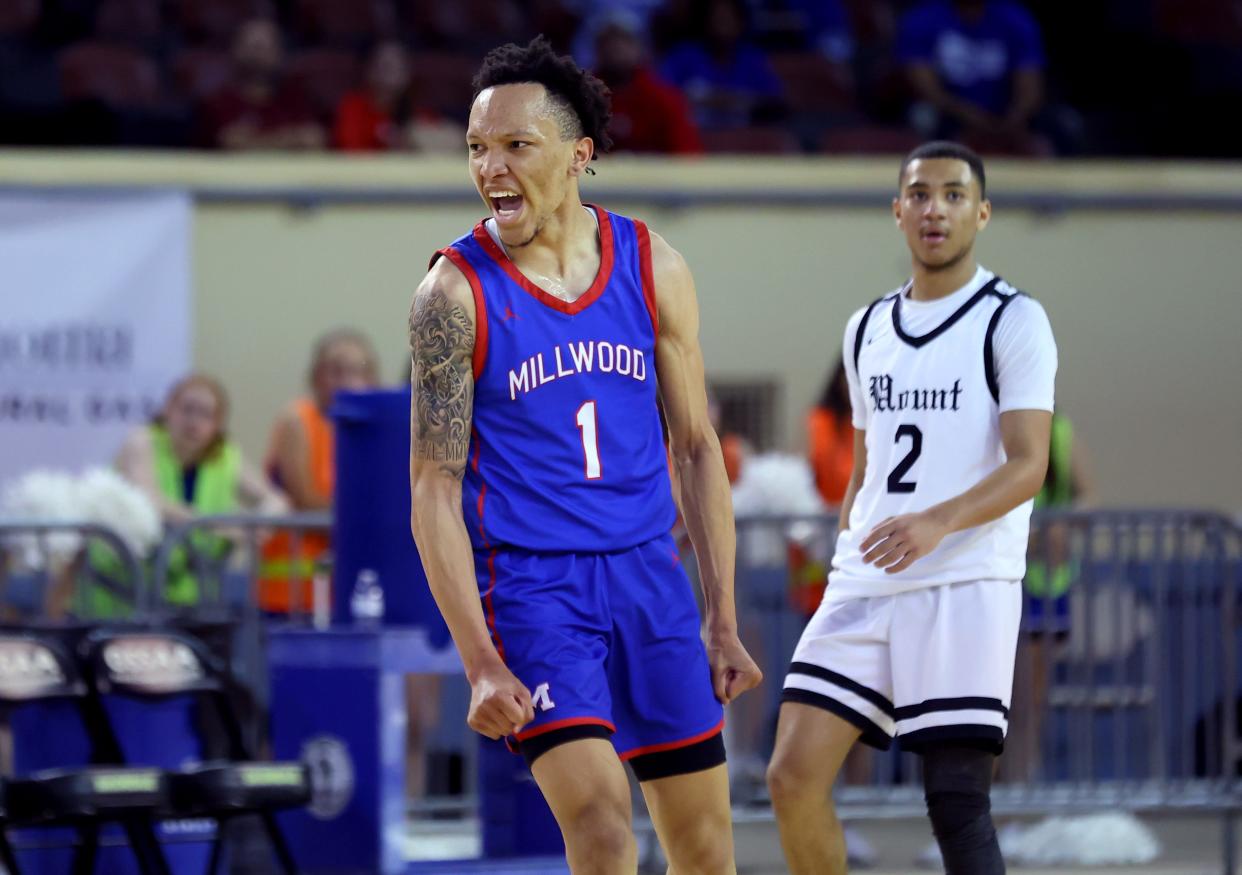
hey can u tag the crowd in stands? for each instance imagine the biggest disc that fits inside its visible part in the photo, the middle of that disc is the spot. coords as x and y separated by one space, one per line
1037 77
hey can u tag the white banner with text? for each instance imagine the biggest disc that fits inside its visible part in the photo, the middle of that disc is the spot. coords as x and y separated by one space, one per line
95 321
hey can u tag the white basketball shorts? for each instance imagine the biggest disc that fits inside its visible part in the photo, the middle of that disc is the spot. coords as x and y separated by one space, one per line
931 665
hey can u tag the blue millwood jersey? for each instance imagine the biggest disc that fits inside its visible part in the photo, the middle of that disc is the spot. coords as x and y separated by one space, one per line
567 452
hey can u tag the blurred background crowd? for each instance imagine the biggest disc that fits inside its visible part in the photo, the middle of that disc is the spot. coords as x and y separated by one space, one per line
1033 78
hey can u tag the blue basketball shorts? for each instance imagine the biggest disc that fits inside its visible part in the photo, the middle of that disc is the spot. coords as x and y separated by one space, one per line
609 646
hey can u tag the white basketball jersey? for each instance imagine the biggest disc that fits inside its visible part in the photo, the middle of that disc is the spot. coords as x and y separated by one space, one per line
931 411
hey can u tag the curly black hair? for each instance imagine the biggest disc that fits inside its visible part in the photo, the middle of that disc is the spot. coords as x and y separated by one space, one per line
582 102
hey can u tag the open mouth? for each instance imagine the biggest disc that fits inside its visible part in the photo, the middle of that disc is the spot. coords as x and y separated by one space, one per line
934 236
506 205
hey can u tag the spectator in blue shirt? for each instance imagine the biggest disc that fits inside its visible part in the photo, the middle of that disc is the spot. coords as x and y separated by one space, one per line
728 80
976 68
826 25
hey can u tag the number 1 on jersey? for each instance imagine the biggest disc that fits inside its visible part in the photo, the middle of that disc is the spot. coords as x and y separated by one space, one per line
590 439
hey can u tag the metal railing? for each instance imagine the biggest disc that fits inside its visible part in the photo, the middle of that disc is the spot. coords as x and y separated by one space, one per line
223 553
47 572
1127 680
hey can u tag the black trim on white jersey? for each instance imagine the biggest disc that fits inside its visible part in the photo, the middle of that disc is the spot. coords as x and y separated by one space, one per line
872 735
989 288
959 703
825 674
989 357
862 328
980 737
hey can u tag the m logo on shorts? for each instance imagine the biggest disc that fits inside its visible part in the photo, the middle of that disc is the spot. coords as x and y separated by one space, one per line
541 699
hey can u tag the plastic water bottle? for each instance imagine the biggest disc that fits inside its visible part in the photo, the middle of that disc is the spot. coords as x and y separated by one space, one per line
366 603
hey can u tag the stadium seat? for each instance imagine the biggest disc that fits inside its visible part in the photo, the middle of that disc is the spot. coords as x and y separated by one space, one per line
7 860
197 73
344 22
130 22
1213 22
112 74
323 75
759 141
214 22
18 17
868 140
813 84
38 669
474 25
158 664
871 21
442 81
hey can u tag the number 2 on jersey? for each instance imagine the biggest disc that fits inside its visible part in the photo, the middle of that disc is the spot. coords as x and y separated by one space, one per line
895 483
590 439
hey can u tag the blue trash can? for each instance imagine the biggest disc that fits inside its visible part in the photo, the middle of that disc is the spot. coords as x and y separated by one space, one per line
371 528
516 820
372 532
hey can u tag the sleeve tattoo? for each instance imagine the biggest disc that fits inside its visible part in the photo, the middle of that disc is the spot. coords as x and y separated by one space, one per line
442 350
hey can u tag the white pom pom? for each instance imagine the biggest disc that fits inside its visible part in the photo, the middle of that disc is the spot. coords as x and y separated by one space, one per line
42 496
1106 839
772 484
99 496
108 499
776 483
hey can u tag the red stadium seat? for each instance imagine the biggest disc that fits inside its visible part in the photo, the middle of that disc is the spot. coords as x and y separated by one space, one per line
128 21
763 141
871 21
1216 22
196 73
17 17
344 22
112 74
814 84
474 24
215 21
868 140
442 81
323 75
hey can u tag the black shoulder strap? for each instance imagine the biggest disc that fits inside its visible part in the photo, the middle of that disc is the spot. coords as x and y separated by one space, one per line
989 358
862 329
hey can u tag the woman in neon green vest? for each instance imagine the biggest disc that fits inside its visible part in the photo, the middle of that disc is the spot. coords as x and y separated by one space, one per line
186 464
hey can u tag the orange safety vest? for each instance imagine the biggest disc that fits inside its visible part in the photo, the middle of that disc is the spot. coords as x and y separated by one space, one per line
280 571
830 450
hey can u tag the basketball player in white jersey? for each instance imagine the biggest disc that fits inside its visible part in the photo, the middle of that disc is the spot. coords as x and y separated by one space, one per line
951 383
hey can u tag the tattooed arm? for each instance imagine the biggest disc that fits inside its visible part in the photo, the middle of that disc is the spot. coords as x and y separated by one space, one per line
442 333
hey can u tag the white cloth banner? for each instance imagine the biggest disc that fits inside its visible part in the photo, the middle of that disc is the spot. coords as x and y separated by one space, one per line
94 321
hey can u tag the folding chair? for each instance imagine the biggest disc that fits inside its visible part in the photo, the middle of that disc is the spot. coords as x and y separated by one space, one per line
159 664
36 668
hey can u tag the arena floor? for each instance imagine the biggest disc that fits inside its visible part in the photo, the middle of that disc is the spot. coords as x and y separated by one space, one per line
1191 845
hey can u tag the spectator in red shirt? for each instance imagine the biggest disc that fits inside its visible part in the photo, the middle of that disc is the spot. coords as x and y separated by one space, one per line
384 115
648 114
256 110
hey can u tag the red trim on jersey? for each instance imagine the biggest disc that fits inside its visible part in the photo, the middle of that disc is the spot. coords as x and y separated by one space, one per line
474 464
648 274
673 745
480 305
482 488
568 307
489 608
561 724
482 530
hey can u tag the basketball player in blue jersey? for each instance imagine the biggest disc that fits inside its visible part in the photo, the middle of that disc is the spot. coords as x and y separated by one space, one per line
951 383
543 342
